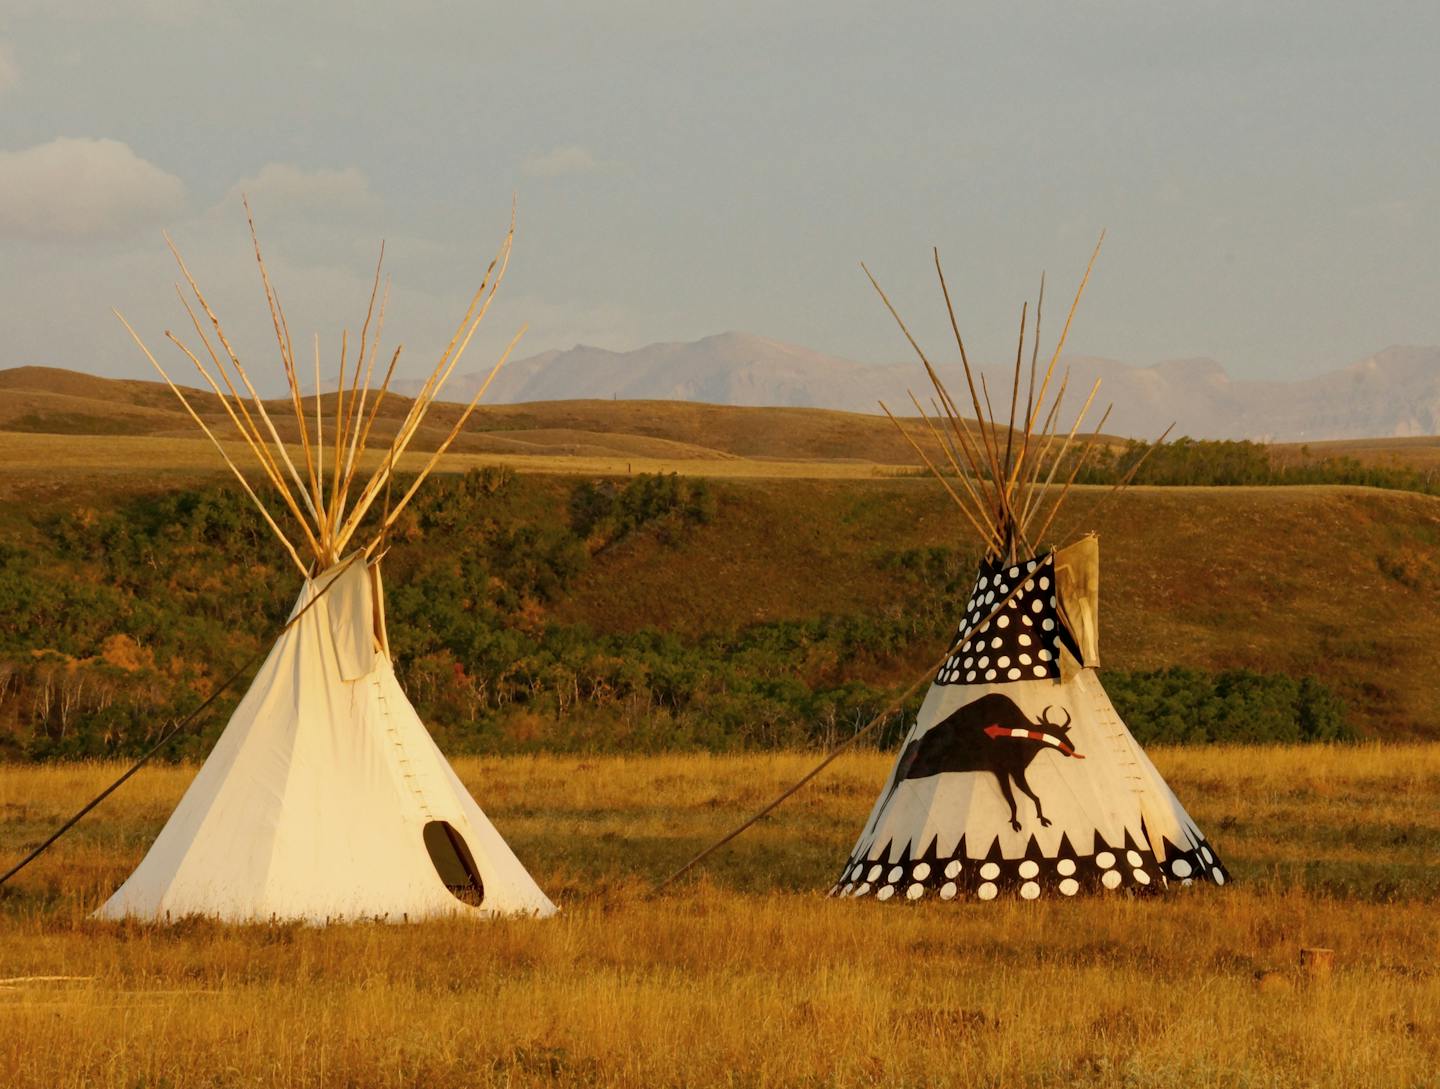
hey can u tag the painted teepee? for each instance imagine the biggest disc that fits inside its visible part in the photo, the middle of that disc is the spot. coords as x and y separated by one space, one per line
325 799
1018 776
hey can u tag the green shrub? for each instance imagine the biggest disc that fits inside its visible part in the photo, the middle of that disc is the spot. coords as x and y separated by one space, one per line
194 586
1187 706
603 512
1226 462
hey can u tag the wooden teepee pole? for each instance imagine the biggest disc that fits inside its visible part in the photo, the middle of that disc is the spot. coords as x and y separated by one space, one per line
996 475
445 444
261 446
474 314
245 380
289 548
1065 331
292 378
1075 471
976 520
265 466
1015 392
1125 481
345 407
1016 471
1036 489
935 378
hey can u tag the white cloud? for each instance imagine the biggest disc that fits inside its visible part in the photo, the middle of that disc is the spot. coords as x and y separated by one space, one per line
281 189
562 161
9 70
76 188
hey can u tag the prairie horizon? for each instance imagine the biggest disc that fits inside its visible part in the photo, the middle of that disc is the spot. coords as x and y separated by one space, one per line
1392 394
680 433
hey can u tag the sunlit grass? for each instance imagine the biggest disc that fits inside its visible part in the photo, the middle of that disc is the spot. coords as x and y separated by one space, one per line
42 456
747 975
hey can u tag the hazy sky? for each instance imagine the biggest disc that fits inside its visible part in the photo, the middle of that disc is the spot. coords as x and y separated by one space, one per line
1266 172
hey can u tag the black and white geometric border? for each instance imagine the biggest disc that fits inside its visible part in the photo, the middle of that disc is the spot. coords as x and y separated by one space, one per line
957 876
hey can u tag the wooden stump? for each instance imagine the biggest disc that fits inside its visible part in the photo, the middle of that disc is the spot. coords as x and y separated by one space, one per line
1317 963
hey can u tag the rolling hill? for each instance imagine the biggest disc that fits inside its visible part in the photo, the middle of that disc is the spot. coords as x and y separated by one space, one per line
45 400
786 587
1339 583
814 574
681 434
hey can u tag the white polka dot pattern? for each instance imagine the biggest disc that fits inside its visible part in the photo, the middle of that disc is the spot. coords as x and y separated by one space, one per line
1128 867
1022 642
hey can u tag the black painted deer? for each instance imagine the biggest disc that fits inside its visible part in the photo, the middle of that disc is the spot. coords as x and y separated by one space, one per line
992 734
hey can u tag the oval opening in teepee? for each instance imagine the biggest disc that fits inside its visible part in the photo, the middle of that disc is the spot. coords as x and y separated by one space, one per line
454 863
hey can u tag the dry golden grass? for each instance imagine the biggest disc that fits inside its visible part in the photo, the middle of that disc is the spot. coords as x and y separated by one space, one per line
583 436
47 400
1420 452
45 458
749 976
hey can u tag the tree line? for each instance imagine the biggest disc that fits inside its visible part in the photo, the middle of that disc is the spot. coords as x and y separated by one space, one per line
1221 463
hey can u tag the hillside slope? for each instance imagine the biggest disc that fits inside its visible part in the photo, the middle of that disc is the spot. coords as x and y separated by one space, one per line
820 584
1393 393
1339 583
44 400
52 401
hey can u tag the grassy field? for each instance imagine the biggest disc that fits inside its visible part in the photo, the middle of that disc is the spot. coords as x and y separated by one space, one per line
747 975
43 400
60 459
1419 452
47 400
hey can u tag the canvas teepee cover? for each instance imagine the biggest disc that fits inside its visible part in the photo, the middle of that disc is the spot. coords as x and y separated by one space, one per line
1018 777
325 799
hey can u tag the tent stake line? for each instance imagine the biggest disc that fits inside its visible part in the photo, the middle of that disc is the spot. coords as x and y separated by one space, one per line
165 739
889 709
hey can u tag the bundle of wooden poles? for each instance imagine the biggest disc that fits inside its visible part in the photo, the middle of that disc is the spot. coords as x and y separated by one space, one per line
1006 468
327 512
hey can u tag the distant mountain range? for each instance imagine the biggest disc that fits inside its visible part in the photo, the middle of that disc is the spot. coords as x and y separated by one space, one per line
1395 392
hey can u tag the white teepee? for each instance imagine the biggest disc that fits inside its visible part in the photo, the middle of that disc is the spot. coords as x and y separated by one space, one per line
325 799
1018 776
